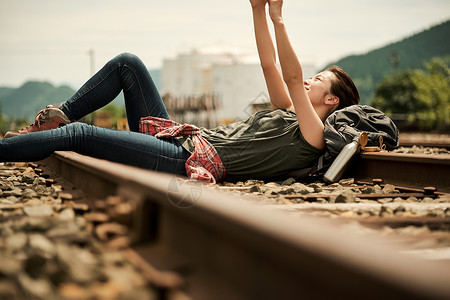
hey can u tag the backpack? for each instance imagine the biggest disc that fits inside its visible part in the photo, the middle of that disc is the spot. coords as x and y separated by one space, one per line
344 126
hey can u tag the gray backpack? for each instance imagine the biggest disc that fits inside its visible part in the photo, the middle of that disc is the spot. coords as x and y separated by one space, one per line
344 126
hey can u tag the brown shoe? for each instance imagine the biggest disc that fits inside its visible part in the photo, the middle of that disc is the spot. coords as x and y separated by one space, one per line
48 118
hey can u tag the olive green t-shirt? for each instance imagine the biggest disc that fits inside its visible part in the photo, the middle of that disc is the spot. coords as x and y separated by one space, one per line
268 144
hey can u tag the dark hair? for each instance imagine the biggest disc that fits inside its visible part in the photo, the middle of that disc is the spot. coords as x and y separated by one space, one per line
343 87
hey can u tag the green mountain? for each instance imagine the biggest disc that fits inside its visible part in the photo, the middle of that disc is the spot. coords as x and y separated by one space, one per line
369 69
4 91
32 96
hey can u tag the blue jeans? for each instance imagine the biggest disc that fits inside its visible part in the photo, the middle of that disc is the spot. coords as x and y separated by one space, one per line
124 72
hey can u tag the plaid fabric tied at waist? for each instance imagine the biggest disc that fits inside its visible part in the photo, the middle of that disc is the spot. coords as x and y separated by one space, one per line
204 163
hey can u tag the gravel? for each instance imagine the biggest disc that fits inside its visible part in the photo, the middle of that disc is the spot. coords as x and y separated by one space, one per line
49 250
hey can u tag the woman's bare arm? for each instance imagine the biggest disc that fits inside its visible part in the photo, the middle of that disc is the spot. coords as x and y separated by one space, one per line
309 122
267 55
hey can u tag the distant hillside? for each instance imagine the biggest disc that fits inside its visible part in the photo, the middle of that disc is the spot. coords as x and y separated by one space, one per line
369 69
32 96
4 91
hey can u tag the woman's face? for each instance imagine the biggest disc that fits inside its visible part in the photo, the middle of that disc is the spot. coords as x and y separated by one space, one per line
318 87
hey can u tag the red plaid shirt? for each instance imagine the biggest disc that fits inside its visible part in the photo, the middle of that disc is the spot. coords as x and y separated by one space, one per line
204 163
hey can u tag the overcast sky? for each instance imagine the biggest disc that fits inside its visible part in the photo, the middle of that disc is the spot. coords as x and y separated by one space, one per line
50 39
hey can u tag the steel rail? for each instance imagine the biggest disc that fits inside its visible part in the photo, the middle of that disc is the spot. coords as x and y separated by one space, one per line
410 170
225 248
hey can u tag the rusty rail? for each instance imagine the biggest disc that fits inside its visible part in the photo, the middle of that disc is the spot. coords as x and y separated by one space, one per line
224 248
410 170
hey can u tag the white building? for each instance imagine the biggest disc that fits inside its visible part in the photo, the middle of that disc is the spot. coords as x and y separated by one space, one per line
235 77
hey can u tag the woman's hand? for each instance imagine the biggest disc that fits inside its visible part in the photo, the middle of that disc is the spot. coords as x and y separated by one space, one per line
258 3
275 8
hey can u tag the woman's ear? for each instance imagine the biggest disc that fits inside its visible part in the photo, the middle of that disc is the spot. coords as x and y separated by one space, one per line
332 100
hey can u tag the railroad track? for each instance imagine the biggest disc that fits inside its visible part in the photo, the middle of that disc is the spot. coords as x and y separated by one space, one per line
193 241
409 139
196 242
404 169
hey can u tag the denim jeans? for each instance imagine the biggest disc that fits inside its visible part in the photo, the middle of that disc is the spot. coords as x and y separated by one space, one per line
124 72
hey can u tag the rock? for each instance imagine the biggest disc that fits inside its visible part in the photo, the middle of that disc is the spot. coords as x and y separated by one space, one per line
106 231
43 210
12 199
39 181
316 186
300 188
347 181
121 242
28 178
78 264
74 291
41 245
412 199
28 193
33 224
40 189
288 181
66 214
388 189
36 288
347 196
16 241
253 182
13 192
399 209
254 189
96 217
377 189
66 196
385 211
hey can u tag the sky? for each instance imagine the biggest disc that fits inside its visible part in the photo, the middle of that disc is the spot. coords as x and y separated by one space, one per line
50 39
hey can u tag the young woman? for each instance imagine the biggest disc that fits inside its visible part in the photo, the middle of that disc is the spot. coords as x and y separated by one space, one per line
268 144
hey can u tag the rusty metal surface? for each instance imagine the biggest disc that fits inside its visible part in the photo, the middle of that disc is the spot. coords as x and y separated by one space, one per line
225 248
403 169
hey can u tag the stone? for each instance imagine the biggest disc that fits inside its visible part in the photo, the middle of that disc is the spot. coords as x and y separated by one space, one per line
347 181
39 181
377 189
106 231
347 196
388 189
288 181
286 191
385 211
28 193
254 189
316 186
43 210
74 291
300 188
78 264
16 241
66 214
42 245
412 199
96 217
33 224
37 288
399 209
66 196
28 178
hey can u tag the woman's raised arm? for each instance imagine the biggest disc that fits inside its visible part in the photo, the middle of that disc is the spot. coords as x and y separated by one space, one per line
267 55
309 121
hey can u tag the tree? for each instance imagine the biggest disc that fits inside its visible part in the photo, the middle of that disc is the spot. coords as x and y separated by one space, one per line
423 96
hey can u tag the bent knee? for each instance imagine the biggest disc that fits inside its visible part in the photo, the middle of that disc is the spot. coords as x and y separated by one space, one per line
128 58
